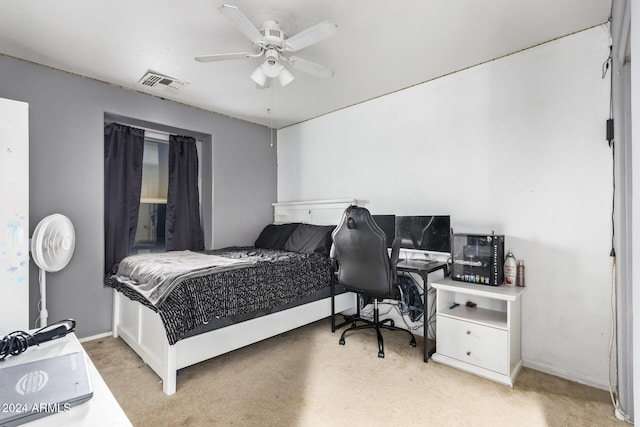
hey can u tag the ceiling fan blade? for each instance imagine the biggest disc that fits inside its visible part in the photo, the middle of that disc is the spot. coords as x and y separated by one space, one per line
226 56
309 67
242 23
311 35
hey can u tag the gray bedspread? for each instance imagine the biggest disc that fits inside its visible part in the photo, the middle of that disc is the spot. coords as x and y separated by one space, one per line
155 275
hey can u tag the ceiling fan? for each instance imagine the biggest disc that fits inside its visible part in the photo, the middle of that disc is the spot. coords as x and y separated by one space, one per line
274 44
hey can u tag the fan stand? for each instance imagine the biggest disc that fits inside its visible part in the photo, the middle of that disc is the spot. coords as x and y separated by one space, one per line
44 314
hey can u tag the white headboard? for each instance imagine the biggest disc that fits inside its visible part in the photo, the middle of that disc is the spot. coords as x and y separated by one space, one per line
319 212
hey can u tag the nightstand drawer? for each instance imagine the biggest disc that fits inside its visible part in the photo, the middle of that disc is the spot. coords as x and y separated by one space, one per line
469 342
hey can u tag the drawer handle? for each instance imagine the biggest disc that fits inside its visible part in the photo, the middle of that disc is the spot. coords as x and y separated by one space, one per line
468 332
468 353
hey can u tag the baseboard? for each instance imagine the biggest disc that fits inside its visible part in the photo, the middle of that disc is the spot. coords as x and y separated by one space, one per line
96 337
571 376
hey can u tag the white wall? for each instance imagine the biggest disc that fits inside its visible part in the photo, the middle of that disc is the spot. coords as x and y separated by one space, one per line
14 216
516 146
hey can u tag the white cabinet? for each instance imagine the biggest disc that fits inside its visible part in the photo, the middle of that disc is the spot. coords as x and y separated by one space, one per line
483 339
14 216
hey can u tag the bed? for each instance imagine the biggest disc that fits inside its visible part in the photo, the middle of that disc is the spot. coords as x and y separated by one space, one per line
245 295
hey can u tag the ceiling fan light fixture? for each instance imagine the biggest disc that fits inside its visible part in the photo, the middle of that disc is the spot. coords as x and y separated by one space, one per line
259 77
271 56
285 77
271 69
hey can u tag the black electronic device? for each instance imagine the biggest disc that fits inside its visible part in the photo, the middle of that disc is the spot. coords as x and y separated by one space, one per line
425 233
388 224
17 342
55 331
478 258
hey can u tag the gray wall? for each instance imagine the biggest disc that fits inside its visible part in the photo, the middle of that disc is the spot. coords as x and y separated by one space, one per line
66 116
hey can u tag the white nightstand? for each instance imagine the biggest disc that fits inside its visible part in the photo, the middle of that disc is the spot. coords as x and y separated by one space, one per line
485 339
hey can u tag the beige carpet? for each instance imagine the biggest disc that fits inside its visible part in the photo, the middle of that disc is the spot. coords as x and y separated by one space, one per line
304 378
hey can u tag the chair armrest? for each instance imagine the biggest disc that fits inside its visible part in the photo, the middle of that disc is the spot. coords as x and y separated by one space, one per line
395 254
395 251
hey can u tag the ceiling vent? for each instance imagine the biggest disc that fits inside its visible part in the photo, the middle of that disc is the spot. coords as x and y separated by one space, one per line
160 81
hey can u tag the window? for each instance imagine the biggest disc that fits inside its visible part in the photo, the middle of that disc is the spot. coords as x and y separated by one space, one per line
153 198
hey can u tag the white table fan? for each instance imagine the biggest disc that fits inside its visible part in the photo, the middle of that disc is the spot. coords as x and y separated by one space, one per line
52 245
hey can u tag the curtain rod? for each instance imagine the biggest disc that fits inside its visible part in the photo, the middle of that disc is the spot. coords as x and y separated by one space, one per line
155 134
159 135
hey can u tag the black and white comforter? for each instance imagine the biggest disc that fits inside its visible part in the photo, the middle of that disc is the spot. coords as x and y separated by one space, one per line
271 278
155 275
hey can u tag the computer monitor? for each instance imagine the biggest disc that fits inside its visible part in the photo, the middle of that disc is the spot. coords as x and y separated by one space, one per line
388 224
425 233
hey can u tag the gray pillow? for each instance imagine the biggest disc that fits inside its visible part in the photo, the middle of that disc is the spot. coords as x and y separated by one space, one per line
309 238
274 236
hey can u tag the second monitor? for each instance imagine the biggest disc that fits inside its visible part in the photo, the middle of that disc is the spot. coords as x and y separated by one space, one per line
425 233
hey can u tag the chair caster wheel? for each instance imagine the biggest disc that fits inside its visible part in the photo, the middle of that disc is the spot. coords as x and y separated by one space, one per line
341 342
381 354
392 323
413 343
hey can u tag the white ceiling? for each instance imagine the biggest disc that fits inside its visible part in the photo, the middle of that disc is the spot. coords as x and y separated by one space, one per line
381 46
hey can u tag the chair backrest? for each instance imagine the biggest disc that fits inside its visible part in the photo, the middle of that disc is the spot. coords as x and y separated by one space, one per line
360 248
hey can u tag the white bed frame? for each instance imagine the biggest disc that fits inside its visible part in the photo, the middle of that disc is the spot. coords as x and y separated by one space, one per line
142 329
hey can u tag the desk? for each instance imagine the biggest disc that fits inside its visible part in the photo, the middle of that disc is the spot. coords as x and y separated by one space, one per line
101 410
423 269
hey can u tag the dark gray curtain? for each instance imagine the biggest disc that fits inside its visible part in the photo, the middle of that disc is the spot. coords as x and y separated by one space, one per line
183 228
123 151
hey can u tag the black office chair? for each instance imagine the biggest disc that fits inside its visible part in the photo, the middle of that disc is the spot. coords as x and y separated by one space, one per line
362 265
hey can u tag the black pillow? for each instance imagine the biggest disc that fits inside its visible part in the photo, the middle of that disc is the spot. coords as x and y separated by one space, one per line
274 236
309 238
